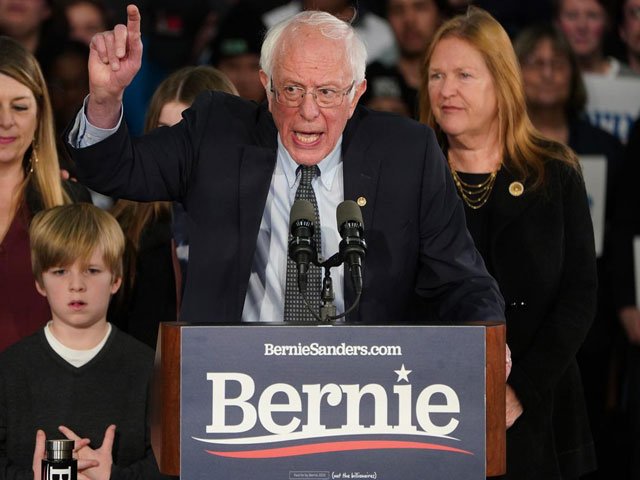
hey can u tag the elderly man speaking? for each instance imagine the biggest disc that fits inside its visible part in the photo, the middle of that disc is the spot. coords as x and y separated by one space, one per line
237 168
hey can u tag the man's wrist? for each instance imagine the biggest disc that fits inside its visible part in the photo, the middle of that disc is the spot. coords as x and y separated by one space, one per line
103 112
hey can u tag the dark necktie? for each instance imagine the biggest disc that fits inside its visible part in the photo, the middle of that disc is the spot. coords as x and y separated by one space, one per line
294 307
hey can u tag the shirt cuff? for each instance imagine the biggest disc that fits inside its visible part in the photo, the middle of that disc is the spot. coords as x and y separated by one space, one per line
83 134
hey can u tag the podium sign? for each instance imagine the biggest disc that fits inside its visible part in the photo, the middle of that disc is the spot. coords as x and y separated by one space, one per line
326 402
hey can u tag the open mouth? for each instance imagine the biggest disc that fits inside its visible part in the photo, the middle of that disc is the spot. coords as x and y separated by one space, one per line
77 304
307 138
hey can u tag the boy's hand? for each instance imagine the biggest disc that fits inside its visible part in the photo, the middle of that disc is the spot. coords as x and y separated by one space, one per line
39 454
92 464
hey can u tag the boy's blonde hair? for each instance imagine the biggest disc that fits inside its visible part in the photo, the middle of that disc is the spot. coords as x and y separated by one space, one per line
61 235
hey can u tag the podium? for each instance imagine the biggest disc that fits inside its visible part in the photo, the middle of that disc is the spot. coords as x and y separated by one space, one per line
416 406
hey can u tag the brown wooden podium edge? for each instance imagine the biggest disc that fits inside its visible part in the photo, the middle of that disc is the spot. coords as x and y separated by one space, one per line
495 339
165 410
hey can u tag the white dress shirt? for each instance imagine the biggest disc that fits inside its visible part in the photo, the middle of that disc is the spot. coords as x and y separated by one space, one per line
265 295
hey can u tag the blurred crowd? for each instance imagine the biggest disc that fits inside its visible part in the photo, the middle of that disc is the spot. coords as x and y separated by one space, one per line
580 62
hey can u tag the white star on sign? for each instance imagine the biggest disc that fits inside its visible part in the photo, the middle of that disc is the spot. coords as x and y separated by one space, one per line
403 374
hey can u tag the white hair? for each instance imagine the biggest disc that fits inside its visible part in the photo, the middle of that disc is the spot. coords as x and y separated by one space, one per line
329 26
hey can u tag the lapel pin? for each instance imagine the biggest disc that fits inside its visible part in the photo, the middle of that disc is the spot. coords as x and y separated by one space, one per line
516 189
361 201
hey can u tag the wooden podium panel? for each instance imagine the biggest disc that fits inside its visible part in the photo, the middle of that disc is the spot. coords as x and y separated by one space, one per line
166 408
496 338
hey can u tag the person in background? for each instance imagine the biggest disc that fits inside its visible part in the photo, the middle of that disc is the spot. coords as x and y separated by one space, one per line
527 210
585 23
374 30
68 81
629 31
22 21
613 89
556 99
513 16
29 182
395 87
151 287
79 376
235 51
170 29
86 18
38 25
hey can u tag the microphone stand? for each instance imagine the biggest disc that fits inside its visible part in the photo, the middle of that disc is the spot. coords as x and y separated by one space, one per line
328 311
327 307
327 296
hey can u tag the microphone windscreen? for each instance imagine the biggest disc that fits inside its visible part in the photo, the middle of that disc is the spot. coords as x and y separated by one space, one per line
348 211
301 210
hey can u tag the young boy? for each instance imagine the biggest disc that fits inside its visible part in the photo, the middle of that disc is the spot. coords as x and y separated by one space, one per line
79 376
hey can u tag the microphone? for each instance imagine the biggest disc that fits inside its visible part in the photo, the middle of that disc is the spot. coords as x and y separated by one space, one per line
302 248
353 248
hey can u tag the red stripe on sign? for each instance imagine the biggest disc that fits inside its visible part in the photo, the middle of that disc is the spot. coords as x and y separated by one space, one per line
335 447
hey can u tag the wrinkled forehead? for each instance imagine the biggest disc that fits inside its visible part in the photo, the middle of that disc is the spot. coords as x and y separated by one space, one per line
306 52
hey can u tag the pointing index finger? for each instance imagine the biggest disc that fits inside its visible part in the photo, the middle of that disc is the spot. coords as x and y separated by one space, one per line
133 21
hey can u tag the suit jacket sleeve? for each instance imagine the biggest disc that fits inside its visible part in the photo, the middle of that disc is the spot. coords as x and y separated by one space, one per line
153 167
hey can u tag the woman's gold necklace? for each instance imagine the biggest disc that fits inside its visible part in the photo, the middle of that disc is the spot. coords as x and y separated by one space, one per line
474 195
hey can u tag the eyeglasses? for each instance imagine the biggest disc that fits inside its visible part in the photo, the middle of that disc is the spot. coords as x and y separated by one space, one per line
293 95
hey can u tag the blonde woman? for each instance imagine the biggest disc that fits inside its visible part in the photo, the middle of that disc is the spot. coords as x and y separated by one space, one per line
527 210
29 182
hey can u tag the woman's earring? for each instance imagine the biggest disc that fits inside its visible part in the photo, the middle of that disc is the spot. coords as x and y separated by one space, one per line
34 158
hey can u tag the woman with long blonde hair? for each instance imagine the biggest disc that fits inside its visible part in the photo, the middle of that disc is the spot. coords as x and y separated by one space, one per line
527 210
29 181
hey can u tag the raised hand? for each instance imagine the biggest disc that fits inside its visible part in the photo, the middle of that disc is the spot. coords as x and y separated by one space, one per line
115 58
93 464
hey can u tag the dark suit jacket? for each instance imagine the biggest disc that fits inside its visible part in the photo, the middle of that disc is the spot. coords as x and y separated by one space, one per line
219 161
541 252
